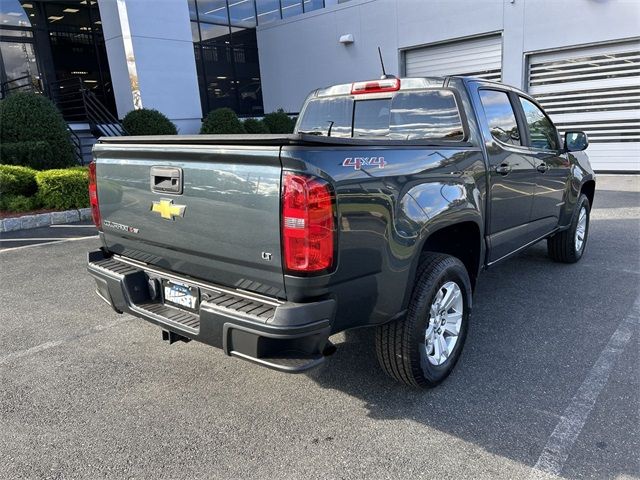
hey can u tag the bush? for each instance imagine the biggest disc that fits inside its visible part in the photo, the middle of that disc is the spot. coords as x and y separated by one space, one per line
19 203
251 125
63 189
29 118
279 122
222 121
15 180
148 121
32 154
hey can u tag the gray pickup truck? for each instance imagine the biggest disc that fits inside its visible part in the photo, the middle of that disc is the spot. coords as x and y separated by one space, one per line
379 211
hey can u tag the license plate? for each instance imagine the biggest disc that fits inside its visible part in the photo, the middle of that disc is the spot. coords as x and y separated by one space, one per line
181 295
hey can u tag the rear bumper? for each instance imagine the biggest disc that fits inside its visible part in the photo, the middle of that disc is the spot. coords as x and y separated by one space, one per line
284 336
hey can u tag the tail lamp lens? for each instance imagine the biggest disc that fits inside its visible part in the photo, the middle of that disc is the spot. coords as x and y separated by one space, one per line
308 227
93 196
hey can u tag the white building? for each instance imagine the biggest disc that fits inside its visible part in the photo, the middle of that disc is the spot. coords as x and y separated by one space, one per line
580 58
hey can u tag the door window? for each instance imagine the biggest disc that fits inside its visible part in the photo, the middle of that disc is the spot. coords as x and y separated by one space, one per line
500 117
542 133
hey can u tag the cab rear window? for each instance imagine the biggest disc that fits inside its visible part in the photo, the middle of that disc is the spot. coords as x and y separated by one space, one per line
412 115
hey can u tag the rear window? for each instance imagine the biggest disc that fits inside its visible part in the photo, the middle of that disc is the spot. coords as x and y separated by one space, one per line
413 115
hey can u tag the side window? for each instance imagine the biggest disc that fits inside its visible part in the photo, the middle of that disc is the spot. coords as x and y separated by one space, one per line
541 131
500 116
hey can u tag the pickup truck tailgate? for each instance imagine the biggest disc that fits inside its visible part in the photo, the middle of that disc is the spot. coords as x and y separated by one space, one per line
210 212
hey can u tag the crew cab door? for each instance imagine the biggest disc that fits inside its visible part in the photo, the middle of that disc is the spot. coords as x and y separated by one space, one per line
512 174
552 166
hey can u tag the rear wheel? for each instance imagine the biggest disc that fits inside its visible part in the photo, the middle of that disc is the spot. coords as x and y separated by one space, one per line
568 246
422 348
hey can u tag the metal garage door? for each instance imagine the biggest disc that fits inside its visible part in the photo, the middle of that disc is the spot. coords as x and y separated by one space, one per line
477 57
595 89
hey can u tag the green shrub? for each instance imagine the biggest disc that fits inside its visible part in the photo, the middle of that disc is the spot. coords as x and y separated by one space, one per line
251 125
33 154
30 118
148 121
222 121
279 122
19 203
63 189
16 180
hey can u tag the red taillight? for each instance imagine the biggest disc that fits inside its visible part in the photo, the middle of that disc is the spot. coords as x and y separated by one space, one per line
376 86
308 228
93 195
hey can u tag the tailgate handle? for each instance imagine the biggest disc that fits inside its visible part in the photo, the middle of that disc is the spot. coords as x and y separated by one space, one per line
166 180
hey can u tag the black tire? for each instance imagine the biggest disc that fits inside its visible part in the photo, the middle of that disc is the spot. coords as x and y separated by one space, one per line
561 247
401 346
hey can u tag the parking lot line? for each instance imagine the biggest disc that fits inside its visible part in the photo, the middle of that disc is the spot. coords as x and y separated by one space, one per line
51 344
34 239
74 239
558 446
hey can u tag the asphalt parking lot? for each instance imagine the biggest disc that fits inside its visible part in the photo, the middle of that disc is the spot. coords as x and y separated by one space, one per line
549 381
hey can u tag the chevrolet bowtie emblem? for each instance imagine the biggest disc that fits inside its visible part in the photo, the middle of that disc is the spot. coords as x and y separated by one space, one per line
167 209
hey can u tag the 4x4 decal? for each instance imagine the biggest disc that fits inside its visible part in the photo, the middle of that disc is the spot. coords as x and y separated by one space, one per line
358 162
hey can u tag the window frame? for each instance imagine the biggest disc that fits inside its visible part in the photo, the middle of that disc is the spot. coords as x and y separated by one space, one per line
385 140
517 96
516 108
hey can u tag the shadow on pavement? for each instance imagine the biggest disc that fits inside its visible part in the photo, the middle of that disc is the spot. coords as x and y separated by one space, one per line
537 329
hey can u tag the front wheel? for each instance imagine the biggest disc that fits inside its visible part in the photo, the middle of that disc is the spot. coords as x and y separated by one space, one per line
568 246
422 349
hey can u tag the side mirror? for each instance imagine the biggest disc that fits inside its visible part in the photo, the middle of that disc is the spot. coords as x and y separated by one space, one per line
575 141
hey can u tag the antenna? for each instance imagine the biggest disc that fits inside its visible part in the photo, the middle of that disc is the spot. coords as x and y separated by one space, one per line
384 73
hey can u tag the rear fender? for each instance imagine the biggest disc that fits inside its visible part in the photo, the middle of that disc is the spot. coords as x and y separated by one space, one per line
444 204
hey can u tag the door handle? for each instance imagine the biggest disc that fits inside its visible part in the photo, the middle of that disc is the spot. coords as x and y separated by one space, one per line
503 168
166 180
543 167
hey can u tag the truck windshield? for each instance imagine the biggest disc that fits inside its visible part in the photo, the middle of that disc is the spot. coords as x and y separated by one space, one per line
413 115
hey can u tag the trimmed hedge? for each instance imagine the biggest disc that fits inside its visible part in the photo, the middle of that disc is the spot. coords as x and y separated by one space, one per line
63 189
222 121
279 122
148 121
251 125
16 180
28 119
32 154
19 203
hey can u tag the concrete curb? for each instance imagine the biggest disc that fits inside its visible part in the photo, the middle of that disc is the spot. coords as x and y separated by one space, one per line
44 219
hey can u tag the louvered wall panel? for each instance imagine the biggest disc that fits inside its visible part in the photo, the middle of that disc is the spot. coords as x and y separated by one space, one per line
477 57
595 89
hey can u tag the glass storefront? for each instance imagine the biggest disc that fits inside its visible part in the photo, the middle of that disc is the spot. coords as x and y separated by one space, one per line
226 49
43 42
47 41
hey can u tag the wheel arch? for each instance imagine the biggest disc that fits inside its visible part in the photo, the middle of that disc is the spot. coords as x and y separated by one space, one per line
460 236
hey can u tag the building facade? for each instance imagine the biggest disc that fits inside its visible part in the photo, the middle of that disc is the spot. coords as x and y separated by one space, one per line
580 58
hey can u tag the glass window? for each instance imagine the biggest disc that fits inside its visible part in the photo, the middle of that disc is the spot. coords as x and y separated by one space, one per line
213 11
310 5
268 11
12 14
209 31
431 114
195 33
500 116
242 13
542 133
371 118
291 8
193 12
322 113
